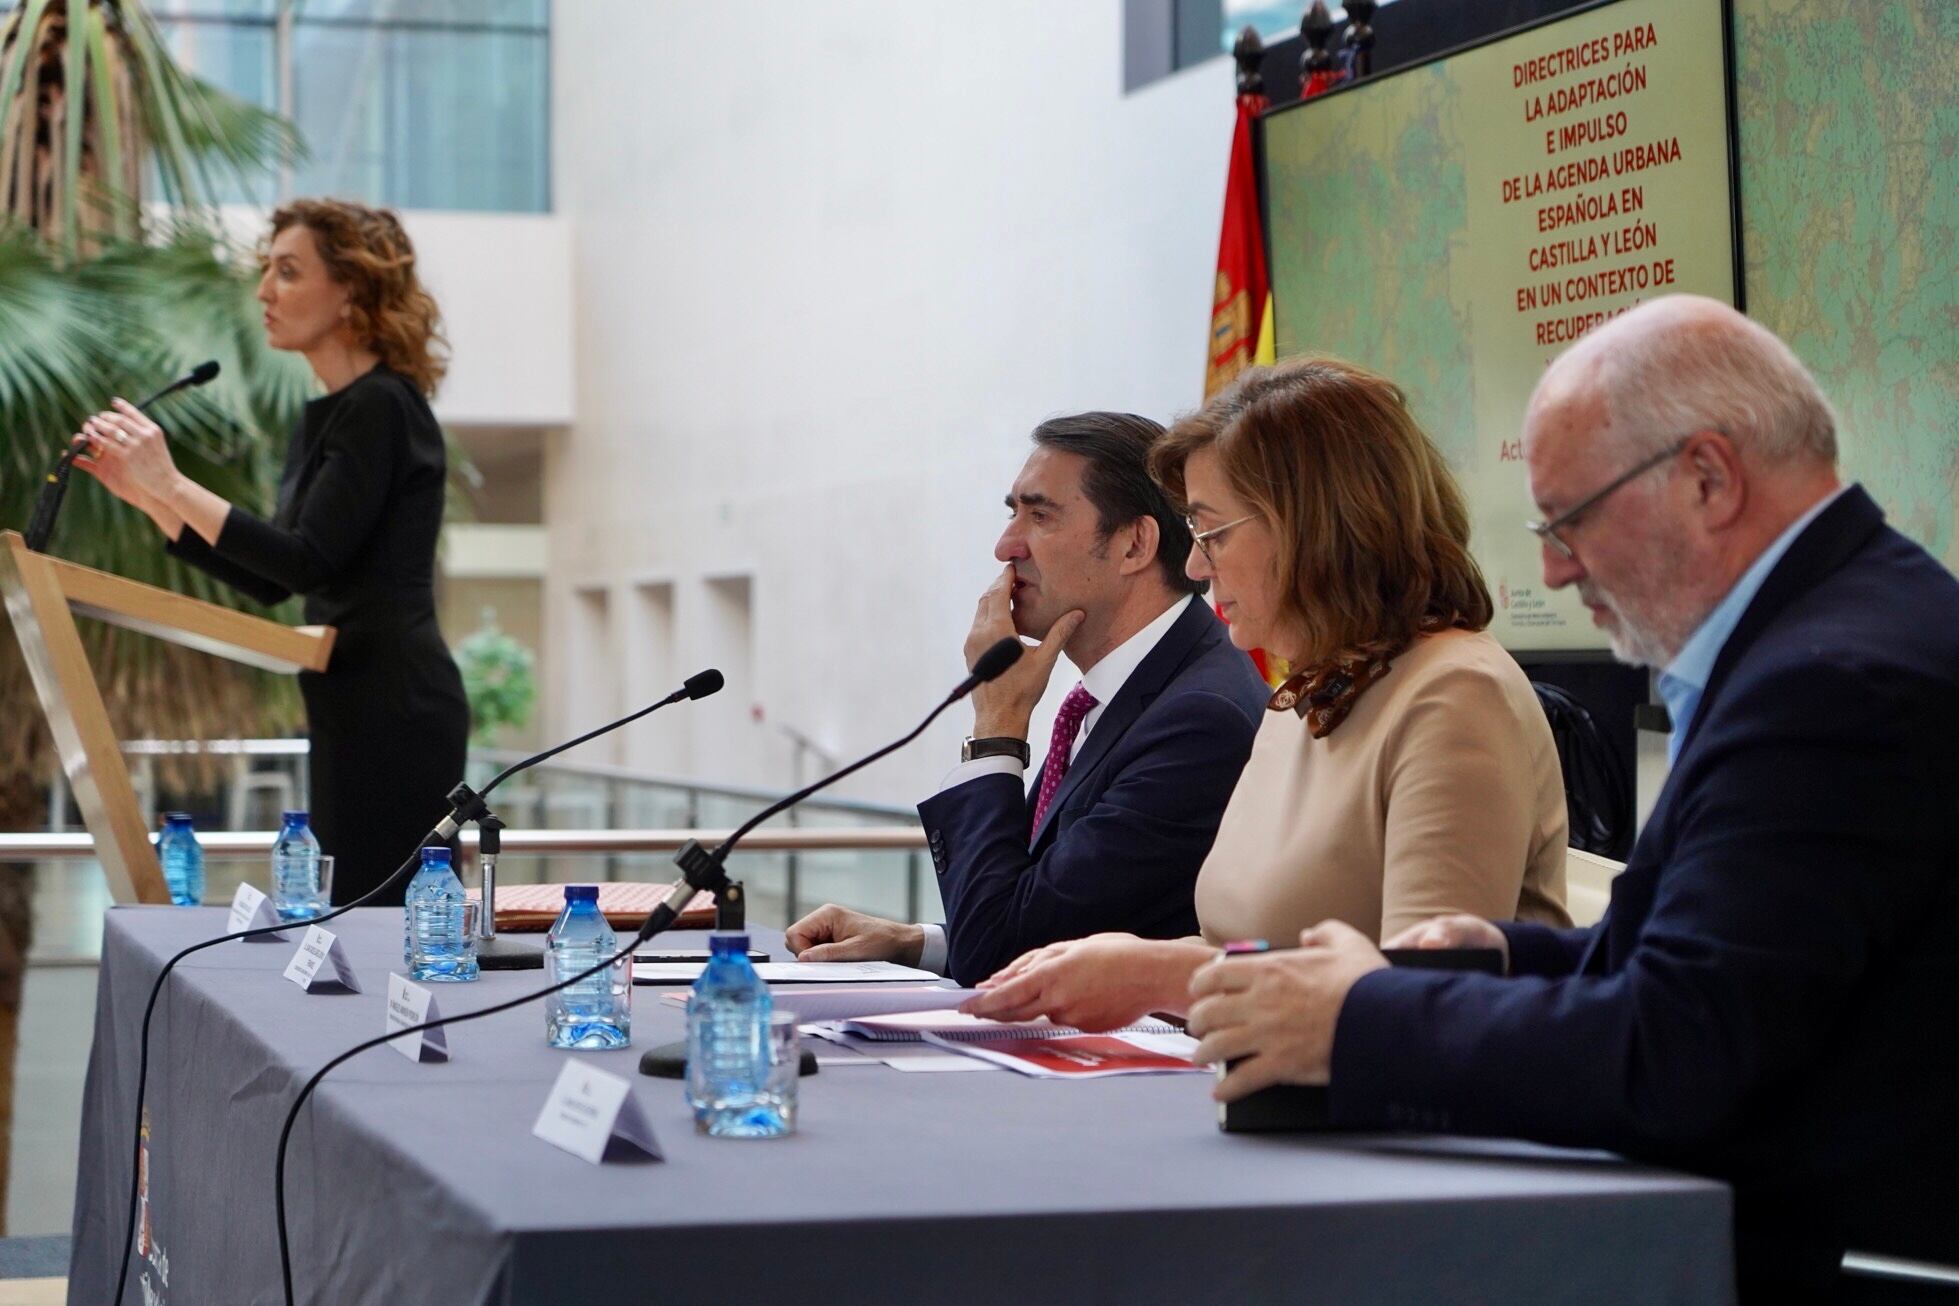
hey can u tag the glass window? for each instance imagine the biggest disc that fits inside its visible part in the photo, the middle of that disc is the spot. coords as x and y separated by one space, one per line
449 13
440 104
1275 19
423 117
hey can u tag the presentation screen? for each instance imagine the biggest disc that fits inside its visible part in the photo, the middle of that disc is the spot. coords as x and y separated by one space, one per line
1456 224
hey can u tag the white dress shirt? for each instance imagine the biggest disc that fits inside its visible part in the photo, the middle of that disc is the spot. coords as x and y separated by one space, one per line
1103 681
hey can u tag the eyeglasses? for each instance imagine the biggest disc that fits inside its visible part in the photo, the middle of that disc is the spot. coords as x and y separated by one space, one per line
1547 531
1202 539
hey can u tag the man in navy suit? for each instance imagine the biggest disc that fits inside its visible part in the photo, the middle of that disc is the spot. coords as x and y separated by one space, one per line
1128 791
1772 997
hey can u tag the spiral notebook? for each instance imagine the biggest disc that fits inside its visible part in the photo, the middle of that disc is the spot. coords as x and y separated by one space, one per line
913 1026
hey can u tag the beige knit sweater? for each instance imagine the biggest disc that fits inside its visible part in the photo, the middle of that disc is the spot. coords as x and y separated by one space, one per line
1439 793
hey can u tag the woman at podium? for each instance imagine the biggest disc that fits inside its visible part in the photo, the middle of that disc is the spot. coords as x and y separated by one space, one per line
354 530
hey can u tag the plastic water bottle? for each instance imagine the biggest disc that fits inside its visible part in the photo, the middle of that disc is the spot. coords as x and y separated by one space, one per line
728 1046
587 1014
183 859
296 870
438 945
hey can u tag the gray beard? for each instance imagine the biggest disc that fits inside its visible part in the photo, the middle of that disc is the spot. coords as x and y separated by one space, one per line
1638 644
1640 648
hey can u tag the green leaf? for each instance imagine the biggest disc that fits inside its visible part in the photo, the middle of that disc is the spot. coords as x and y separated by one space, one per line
74 96
108 125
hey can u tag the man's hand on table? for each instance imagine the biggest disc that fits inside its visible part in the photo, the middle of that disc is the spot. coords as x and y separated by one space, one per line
833 933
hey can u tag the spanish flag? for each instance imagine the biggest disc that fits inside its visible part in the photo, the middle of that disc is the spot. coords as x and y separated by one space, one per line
1241 305
1238 299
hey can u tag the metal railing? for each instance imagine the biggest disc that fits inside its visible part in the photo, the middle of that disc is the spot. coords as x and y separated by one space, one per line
80 845
881 869
575 821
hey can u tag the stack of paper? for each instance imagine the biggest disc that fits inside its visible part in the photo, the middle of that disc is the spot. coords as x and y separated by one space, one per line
1038 1048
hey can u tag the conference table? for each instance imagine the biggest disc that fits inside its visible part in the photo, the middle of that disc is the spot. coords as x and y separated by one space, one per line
421 1182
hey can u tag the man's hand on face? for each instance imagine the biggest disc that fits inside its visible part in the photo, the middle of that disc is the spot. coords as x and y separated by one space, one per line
833 933
1004 708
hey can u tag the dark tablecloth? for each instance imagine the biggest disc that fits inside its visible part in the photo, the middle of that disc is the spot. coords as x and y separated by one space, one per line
421 1183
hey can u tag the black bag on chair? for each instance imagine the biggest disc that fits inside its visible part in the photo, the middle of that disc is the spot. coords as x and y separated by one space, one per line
1598 795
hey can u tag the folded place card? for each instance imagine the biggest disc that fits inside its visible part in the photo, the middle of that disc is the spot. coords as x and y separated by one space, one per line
320 963
593 1114
251 909
410 1005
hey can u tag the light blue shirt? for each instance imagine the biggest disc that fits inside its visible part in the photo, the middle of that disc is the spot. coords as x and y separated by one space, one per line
1685 678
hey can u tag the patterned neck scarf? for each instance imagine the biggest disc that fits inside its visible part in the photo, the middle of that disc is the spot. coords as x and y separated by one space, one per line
1324 693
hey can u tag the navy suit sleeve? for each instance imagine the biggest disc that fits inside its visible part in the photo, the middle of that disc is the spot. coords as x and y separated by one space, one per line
343 504
1129 862
1541 950
190 547
1806 846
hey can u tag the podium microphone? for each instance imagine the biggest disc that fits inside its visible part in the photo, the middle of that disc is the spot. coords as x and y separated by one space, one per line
702 871
47 504
466 804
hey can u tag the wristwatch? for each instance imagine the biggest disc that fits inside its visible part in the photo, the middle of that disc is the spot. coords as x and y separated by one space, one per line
998 746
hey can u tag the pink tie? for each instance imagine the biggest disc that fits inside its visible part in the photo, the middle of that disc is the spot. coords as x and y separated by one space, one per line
1067 724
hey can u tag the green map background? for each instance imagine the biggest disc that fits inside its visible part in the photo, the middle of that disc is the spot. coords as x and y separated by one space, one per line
1848 128
1850 230
1401 196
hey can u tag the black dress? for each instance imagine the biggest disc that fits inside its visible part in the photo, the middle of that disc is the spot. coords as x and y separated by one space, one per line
360 508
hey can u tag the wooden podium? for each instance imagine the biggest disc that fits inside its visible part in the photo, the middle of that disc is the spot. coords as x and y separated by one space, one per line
43 595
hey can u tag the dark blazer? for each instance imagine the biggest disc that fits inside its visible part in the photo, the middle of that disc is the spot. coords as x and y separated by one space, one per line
1773 996
1120 844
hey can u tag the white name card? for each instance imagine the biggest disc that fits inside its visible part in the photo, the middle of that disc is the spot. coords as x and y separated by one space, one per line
251 909
320 951
410 1005
593 1114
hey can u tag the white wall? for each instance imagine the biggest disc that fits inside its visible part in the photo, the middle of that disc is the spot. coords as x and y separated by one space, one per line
828 273
503 282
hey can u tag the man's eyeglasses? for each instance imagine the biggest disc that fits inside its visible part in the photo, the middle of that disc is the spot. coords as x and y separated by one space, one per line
1547 531
1202 539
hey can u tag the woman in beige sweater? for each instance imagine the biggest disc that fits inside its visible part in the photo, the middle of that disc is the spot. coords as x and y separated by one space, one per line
1405 770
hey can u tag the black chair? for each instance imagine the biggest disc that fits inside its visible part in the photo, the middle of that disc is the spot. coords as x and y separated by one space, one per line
1598 794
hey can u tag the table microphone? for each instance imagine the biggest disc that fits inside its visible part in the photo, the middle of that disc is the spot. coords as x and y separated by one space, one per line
466 804
47 504
701 870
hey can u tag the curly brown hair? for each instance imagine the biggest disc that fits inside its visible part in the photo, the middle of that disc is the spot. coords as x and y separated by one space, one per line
367 251
1372 530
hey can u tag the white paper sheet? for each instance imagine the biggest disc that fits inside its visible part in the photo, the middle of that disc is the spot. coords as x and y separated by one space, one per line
789 972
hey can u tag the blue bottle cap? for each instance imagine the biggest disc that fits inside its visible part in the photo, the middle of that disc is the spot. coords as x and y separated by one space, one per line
581 893
293 816
177 819
722 944
436 855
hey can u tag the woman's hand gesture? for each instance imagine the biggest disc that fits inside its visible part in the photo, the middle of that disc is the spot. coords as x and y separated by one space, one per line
129 454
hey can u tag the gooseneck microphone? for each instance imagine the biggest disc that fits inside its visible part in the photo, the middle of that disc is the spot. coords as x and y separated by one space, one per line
205 371
47 504
702 871
466 804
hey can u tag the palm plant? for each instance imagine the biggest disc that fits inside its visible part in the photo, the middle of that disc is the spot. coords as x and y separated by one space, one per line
97 298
